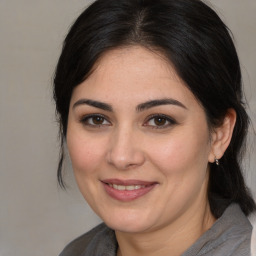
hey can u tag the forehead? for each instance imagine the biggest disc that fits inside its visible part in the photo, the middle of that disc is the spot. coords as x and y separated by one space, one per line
136 61
133 74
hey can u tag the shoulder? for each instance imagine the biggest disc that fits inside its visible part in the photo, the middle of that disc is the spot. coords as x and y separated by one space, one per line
230 235
79 245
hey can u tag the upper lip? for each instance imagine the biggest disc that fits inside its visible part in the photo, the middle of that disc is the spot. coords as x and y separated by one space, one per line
128 182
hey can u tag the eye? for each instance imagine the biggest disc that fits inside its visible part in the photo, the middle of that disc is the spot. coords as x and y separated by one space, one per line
160 121
95 120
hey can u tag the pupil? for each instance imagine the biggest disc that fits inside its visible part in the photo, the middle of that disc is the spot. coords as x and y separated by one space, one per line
160 121
97 120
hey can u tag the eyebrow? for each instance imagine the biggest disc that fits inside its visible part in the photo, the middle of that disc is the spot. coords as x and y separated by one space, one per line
141 107
155 103
93 103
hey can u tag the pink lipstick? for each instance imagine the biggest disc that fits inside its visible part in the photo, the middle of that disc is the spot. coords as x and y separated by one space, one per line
127 190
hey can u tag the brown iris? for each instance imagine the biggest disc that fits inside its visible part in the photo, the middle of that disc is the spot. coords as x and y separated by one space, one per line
159 121
98 120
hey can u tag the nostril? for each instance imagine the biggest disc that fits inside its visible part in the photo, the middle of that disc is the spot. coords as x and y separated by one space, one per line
124 150
125 159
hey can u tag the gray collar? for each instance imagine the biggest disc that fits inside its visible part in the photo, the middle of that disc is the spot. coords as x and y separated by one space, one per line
230 235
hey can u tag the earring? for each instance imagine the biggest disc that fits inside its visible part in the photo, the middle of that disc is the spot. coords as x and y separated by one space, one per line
217 162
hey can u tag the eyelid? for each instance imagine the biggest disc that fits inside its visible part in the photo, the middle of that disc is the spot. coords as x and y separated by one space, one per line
85 118
171 121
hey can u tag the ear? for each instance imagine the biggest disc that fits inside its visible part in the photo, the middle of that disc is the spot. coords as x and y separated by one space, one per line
221 136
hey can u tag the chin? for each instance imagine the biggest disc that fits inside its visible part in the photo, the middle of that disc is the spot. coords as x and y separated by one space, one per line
129 222
127 227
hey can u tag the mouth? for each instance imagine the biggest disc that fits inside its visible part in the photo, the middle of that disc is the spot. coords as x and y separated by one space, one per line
127 190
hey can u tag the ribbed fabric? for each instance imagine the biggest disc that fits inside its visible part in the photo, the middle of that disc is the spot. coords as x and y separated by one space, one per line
230 235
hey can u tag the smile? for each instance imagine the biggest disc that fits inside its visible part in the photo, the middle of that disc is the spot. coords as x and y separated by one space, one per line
128 190
122 187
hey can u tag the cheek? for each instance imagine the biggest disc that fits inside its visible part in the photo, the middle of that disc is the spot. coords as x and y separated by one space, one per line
183 162
86 156
182 152
85 153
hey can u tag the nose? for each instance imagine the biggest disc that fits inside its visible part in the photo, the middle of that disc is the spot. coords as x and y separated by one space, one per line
125 150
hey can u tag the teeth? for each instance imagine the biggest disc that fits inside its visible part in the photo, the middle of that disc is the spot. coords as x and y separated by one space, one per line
122 187
118 187
131 187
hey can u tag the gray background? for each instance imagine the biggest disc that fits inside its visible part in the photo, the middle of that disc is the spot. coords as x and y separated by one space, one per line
36 217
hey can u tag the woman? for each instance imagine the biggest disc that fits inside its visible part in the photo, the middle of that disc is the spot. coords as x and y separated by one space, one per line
148 95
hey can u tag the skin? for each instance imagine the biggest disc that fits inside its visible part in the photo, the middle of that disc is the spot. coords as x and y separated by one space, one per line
128 143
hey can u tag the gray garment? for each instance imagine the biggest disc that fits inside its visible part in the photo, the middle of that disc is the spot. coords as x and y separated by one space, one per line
229 235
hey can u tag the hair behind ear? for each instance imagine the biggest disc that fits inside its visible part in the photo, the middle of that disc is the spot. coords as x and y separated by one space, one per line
226 182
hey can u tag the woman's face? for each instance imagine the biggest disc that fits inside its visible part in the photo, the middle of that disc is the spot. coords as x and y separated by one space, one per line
139 142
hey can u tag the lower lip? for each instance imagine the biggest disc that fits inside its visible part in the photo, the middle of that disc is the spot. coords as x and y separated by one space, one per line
127 195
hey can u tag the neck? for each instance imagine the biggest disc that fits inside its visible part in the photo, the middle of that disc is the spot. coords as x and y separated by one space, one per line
172 239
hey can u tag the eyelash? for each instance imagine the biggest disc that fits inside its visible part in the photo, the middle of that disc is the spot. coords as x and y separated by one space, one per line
85 121
167 119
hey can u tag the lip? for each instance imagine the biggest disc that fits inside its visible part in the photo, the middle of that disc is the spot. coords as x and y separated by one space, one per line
127 195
